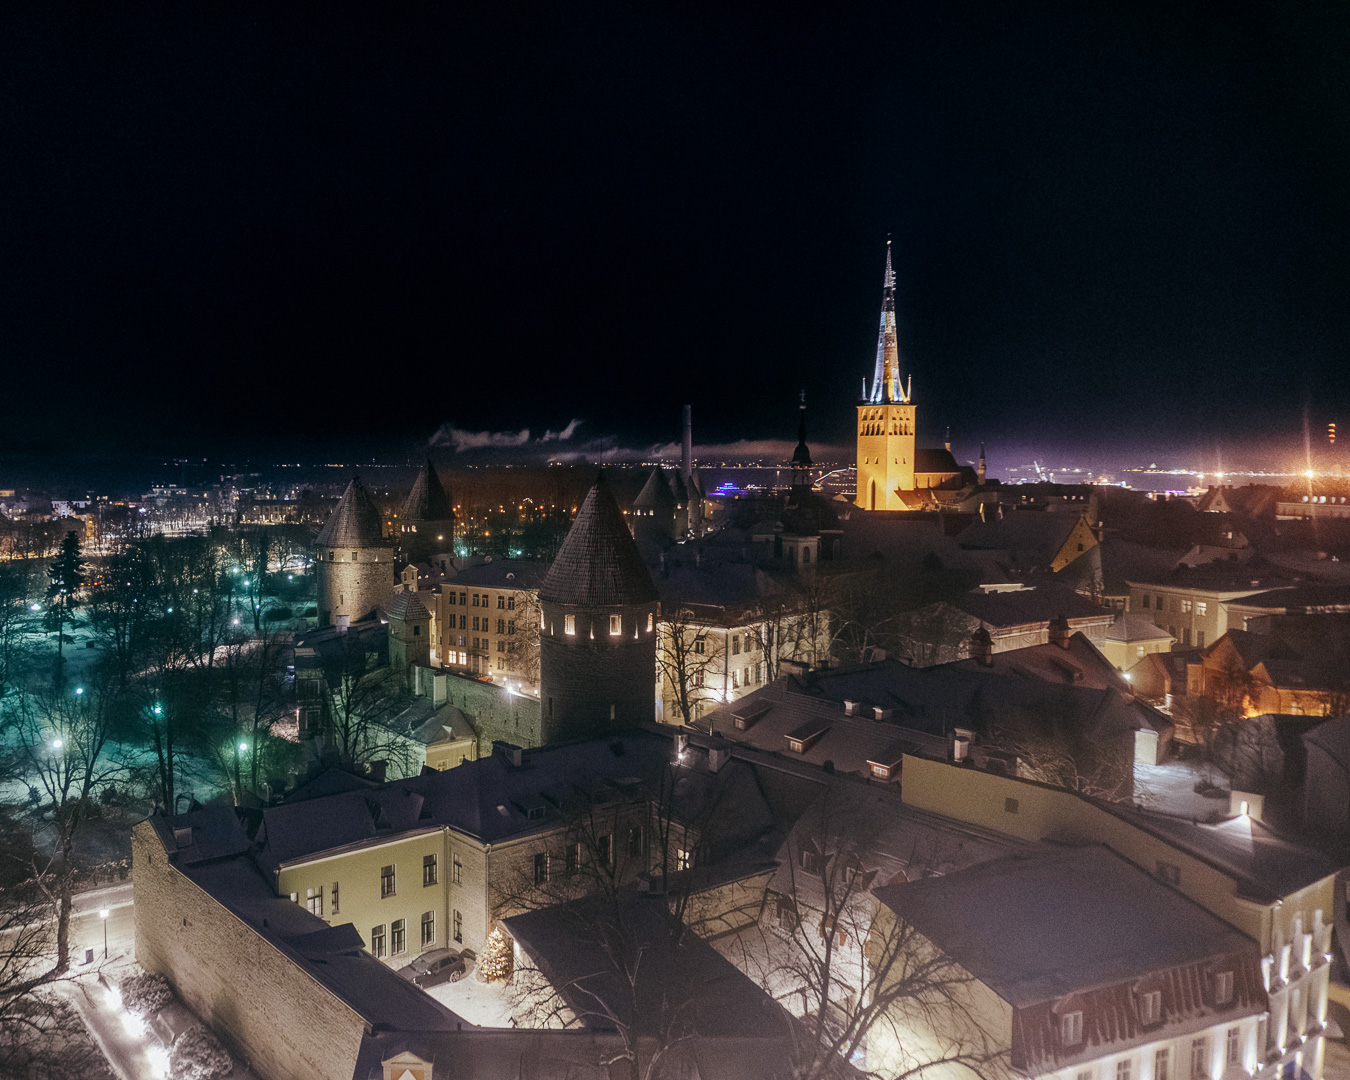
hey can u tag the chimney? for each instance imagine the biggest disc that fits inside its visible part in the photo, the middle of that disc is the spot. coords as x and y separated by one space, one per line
681 744
1060 632
719 753
687 450
982 647
961 740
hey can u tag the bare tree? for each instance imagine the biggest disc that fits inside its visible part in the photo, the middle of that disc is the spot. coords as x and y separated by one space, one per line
584 872
859 979
360 701
522 642
62 736
249 699
686 655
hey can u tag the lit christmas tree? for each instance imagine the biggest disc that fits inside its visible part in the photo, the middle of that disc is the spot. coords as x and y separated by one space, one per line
495 963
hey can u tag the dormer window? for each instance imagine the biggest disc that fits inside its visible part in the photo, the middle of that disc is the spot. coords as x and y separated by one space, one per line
1223 988
569 624
1071 1028
651 622
616 624
1150 1007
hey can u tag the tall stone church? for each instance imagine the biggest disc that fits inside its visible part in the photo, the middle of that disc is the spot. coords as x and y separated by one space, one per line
894 473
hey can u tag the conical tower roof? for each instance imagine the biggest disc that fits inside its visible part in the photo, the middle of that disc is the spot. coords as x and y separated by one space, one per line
428 500
355 523
598 564
655 493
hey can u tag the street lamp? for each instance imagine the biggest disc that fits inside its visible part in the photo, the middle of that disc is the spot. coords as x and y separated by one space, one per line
103 914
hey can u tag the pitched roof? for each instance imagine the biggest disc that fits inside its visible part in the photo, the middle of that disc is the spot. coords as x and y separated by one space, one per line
356 521
1036 925
428 500
406 605
598 564
935 460
656 493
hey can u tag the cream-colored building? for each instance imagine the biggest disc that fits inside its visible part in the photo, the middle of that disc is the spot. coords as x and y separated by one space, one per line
1270 889
1142 983
486 622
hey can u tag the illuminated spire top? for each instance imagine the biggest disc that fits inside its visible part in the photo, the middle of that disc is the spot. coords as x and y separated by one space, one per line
886 387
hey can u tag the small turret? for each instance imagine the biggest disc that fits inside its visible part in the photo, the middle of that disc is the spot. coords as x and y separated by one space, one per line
801 456
981 471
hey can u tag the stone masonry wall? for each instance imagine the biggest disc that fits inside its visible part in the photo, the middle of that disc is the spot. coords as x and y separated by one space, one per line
351 588
281 1021
497 715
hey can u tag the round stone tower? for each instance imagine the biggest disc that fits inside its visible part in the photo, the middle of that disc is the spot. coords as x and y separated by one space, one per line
597 658
426 523
355 562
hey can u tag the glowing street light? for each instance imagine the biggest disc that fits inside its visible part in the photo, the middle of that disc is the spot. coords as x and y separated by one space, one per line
57 744
243 748
79 690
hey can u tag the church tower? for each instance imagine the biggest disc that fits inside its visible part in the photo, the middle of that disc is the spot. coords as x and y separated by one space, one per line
597 649
886 418
801 456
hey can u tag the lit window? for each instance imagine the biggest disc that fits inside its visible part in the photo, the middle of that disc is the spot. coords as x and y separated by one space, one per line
1201 606
651 621
1185 607
616 624
569 624
1071 1028
684 858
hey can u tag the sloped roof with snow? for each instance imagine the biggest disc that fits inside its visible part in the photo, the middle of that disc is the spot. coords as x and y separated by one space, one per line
598 564
356 521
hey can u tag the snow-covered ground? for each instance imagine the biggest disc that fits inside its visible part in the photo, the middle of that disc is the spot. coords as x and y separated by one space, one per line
485 1004
1170 788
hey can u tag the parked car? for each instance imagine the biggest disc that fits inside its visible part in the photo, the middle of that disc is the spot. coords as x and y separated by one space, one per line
434 967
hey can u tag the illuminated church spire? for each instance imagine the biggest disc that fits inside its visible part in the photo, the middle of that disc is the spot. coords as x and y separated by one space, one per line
886 388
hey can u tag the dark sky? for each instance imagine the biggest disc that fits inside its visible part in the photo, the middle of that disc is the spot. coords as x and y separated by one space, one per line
268 231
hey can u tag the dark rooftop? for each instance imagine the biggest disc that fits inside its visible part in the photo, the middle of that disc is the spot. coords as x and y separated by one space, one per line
598 564
355 523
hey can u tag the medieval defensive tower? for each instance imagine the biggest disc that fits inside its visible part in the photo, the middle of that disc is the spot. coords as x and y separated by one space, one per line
355 563
426 524
597 662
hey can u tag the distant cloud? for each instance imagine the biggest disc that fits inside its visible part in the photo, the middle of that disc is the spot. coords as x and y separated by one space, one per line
448 434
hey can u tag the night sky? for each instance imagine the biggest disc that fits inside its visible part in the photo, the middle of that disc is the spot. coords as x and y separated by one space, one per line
332 233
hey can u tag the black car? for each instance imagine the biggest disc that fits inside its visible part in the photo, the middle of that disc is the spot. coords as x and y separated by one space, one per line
434 967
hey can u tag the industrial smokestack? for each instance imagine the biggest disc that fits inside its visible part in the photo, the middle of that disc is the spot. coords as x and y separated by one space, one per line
687 453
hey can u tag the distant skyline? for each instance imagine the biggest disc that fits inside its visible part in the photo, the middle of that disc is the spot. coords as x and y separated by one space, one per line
253 233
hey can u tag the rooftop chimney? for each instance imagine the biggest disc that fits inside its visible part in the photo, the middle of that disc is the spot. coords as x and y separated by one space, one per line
1060 632
982 647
